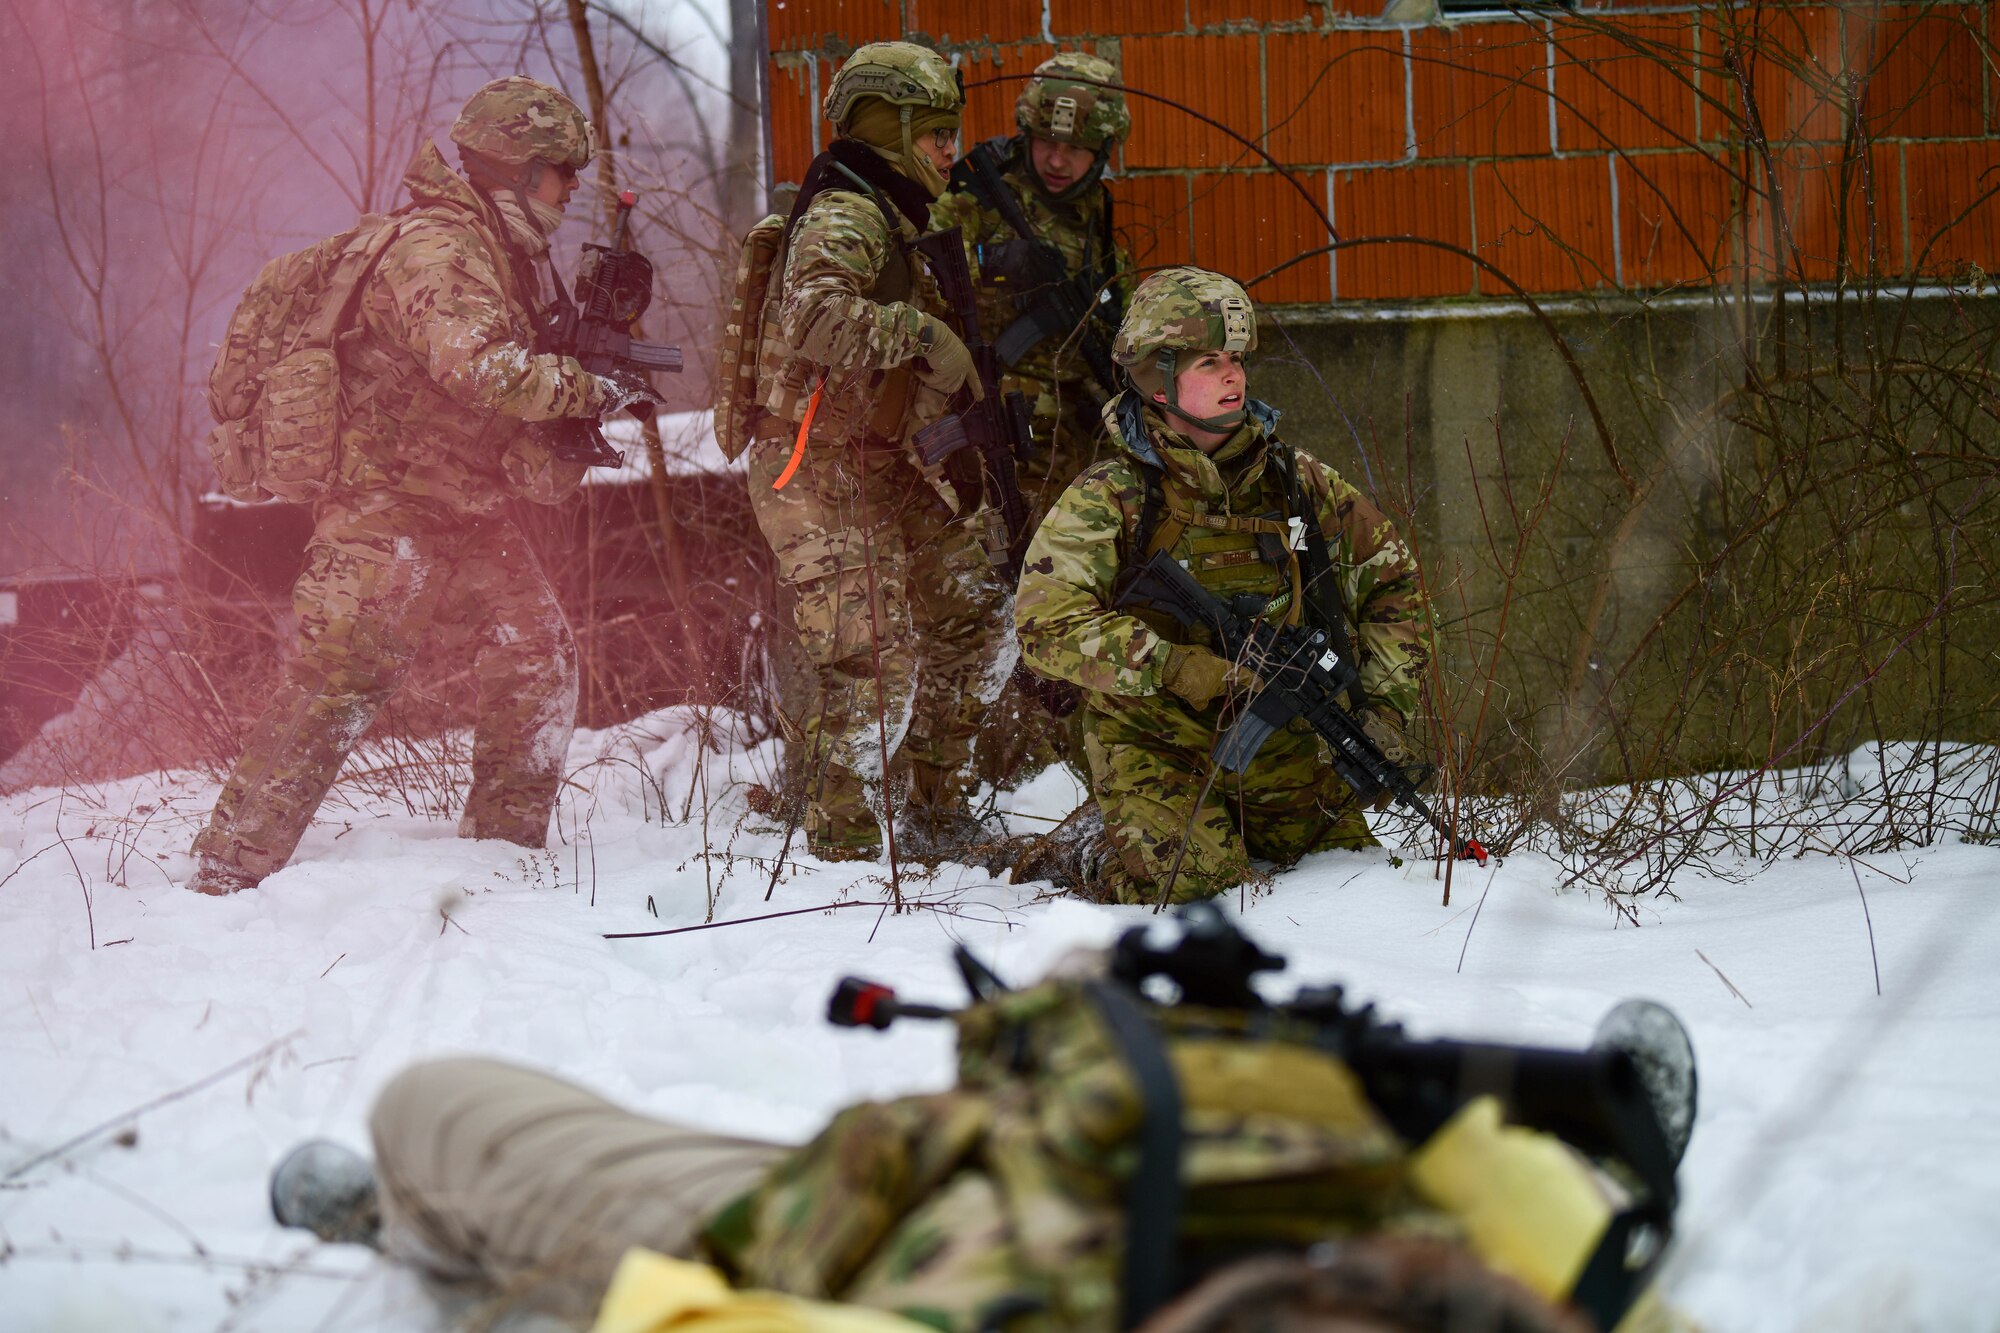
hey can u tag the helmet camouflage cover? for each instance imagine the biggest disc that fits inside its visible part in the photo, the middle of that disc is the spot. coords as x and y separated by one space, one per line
900 73
1182 310
517 120
1056 106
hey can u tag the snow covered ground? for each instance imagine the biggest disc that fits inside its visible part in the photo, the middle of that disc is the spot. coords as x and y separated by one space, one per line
158 1049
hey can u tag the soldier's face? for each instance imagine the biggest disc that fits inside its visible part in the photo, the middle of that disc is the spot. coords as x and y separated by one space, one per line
1213 384
554 183
941 147
1060 165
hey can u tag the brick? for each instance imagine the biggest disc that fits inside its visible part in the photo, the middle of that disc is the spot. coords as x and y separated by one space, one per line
1795 55
1248 223
994 78
1153 218
1950 225
1833 210
1923 70
1216 76
1115 18
1335 97
1625 83
1545 224
1431 202
953 22
833 25
1211 13
1676 214
1481 90
793 114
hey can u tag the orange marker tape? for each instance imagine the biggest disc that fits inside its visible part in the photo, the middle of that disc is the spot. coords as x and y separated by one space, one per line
799 449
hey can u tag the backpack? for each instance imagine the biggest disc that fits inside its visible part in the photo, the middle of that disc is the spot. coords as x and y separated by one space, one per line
736 378
275 387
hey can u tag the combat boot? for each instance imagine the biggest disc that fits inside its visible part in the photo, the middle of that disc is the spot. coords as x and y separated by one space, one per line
937 824
831 836
330 1191
1071 855
218 879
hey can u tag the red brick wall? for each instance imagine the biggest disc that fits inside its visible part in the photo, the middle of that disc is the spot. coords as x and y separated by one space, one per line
1592 150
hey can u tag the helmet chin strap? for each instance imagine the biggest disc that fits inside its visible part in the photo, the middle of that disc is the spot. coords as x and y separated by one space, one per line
1223 424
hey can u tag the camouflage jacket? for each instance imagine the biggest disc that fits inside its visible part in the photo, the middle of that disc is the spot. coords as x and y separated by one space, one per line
852 302
1052 373
1063 612
440 381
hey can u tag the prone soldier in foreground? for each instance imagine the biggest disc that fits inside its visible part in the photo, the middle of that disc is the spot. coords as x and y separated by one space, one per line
893 589
428 409
1202 477
1105 1161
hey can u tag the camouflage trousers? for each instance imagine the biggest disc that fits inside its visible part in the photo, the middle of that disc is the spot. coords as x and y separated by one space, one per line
1148 762
367 602
896 604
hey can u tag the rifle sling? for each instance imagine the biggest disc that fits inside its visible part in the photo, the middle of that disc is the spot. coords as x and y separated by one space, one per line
1320 584
1153 1195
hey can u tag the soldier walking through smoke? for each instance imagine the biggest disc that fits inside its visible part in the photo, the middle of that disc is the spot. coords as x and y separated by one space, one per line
437 410
893 589
1202 476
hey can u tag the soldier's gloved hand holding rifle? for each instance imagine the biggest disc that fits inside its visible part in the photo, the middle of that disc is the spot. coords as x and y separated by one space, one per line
614 285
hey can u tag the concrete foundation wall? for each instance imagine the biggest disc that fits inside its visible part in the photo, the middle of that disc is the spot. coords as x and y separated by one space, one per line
1761 528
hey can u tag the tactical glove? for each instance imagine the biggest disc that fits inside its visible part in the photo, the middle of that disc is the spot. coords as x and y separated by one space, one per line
625 389
943 362
1198 676
1384 726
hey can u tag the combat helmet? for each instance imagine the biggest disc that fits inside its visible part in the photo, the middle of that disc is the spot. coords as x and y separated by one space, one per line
1066 101
1180 310
902 74
513 123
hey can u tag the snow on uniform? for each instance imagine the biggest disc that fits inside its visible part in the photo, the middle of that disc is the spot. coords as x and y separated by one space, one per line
1147 749
1052 375
893 593
442 395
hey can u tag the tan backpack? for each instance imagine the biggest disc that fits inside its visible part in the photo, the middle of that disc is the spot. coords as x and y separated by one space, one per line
275 388
736 381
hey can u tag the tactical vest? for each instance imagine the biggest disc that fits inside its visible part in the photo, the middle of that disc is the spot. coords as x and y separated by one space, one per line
1278 560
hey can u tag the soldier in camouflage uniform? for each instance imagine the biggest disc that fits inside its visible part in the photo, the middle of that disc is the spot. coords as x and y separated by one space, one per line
892 588
1226 505
443 392
1052 172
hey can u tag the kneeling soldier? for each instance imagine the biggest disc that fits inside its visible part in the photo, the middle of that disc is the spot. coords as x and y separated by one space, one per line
1202 474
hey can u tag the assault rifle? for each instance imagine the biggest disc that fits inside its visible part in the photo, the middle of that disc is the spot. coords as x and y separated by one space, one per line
1057 303
614 285
996 425
1303 676
1629 1098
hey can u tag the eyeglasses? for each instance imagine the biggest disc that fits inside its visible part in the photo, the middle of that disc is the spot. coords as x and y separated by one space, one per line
566 171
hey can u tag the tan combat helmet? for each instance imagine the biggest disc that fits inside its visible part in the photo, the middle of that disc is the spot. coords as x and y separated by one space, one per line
1065 101
903 74
1180 310
513 123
